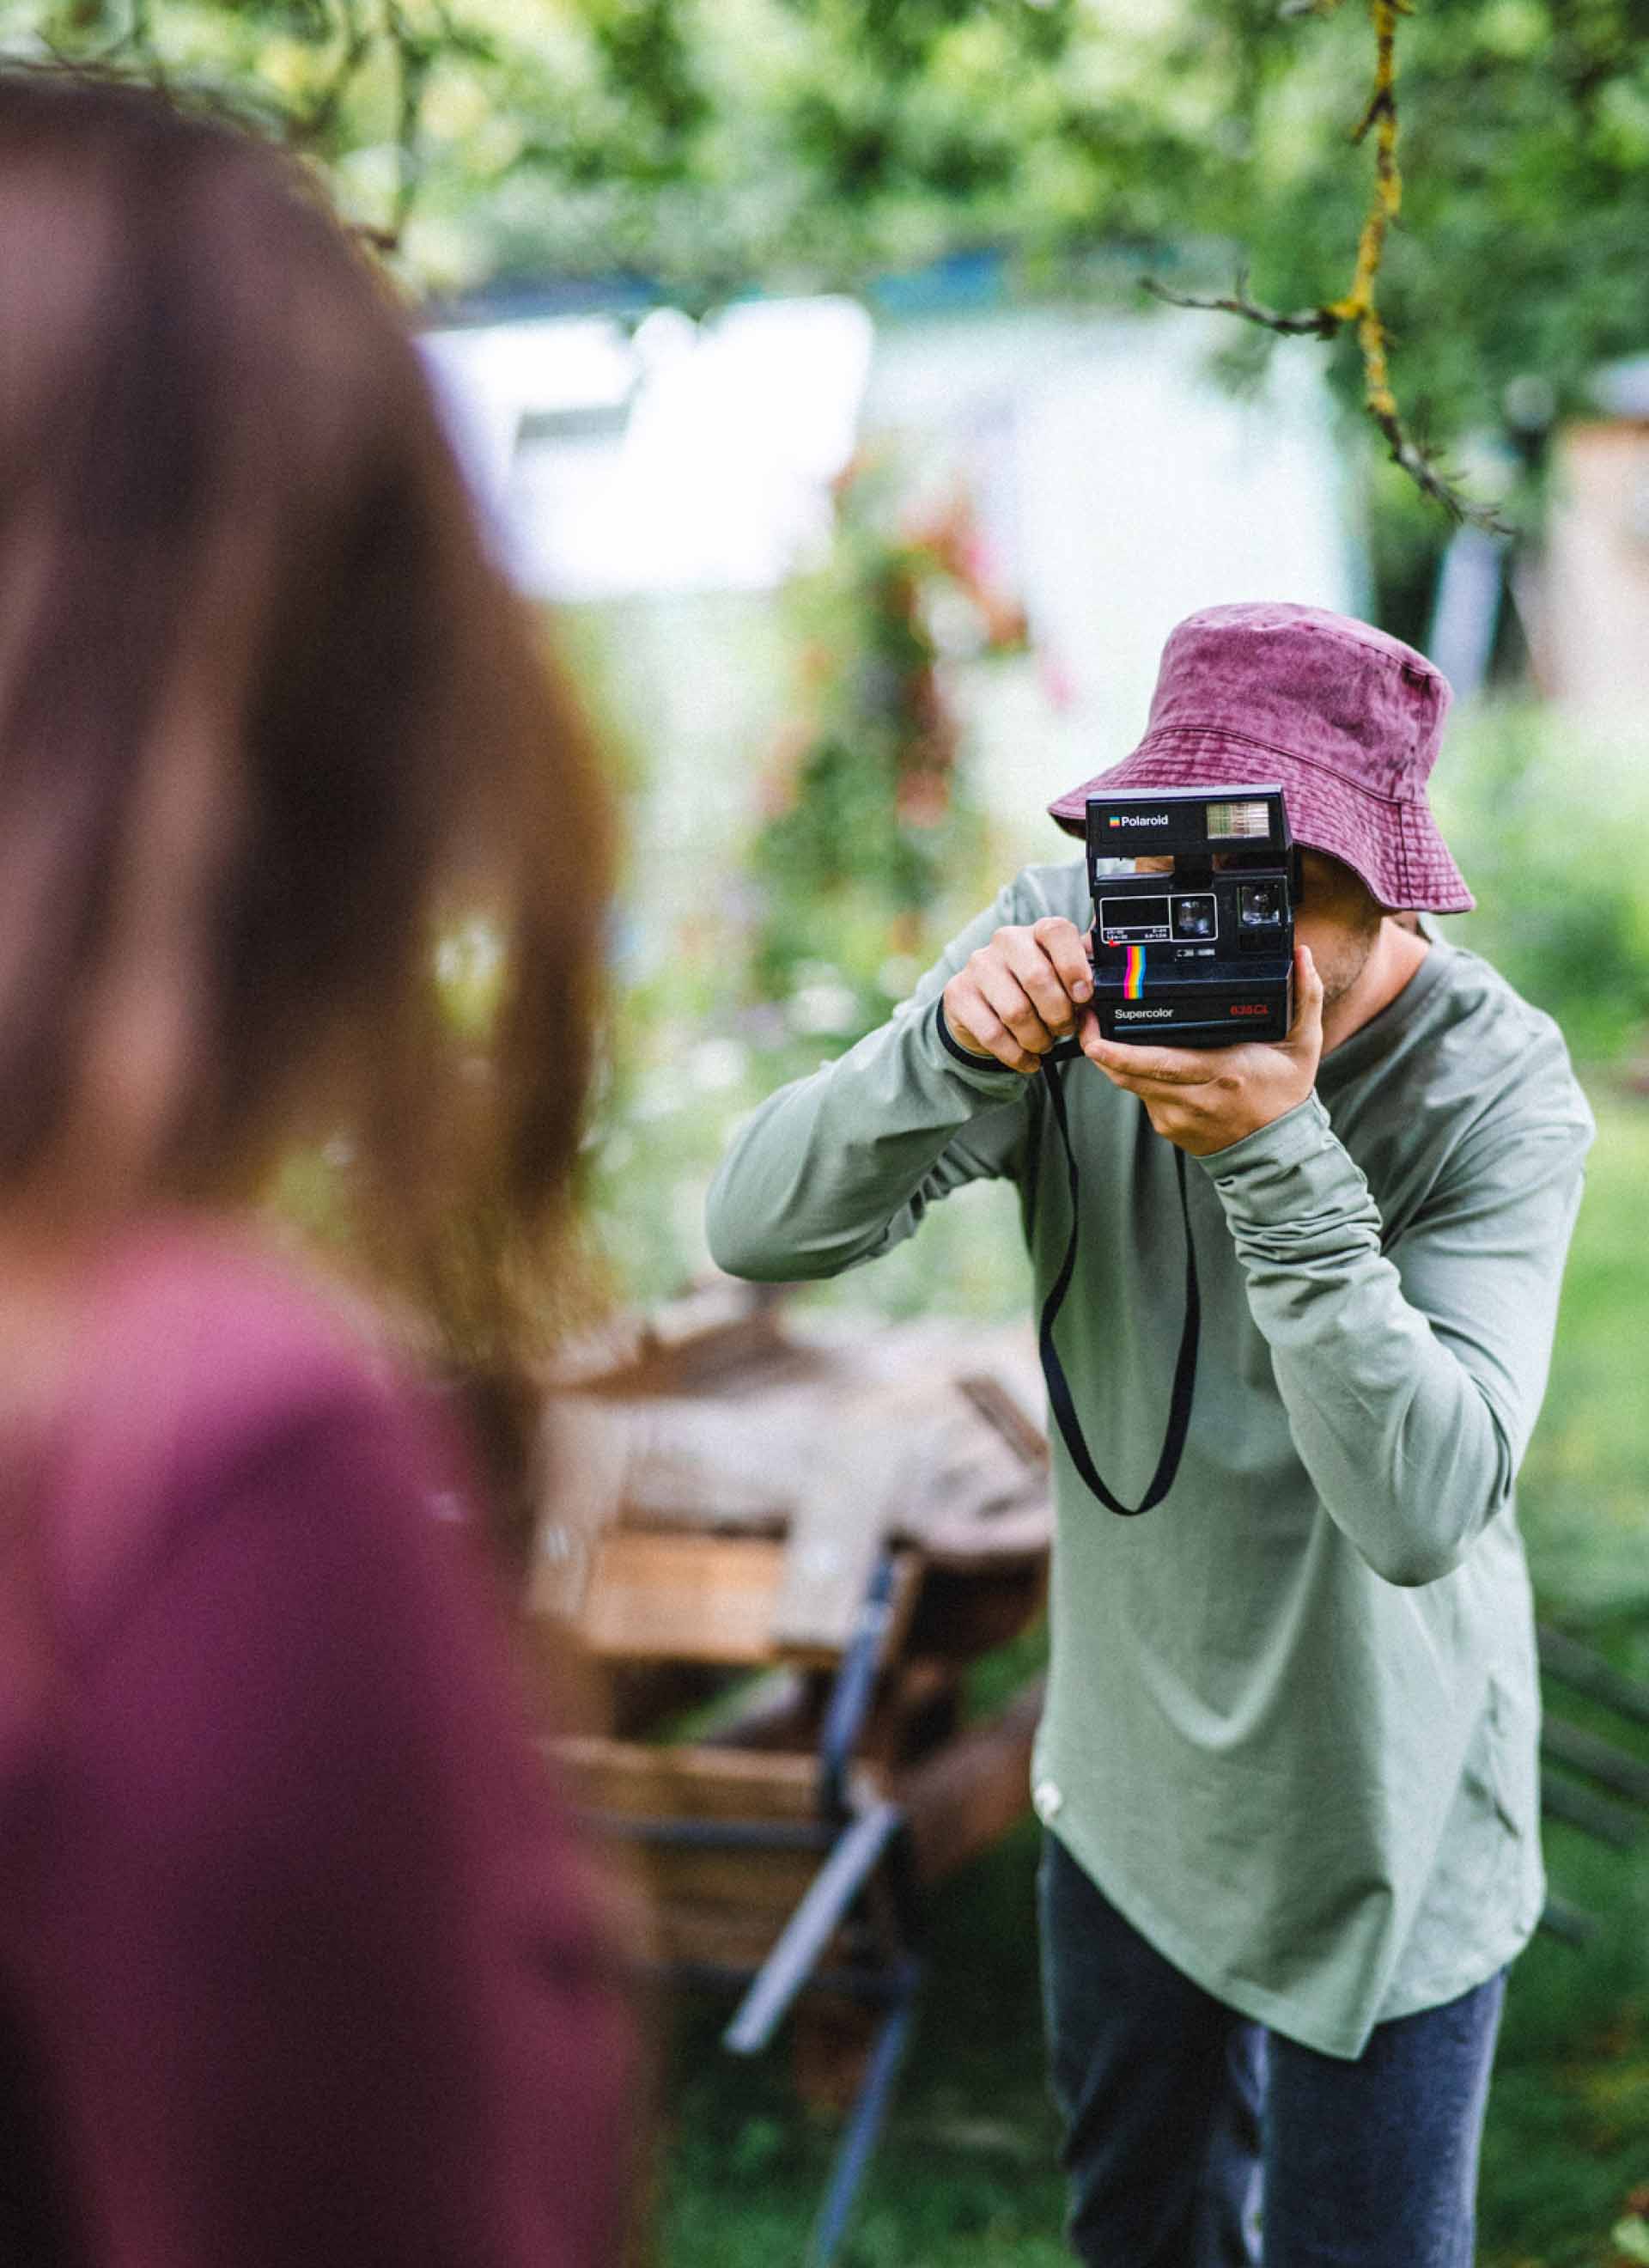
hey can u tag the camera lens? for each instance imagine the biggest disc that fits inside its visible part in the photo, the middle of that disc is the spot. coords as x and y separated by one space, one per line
1260 905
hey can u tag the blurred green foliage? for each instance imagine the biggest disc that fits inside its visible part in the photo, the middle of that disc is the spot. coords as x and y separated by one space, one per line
728 982
1549 820
710 150
871 836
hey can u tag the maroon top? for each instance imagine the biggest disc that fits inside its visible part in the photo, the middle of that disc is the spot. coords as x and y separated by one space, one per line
297 1959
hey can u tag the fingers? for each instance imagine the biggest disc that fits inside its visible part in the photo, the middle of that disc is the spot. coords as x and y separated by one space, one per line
1306 1027
976 1026
1015 996
1035 979
1132 1066
988 1012
1064 950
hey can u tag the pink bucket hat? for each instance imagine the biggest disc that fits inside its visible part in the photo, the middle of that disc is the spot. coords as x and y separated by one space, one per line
1344 718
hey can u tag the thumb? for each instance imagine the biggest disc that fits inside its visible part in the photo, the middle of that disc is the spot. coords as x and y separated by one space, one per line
1306 1028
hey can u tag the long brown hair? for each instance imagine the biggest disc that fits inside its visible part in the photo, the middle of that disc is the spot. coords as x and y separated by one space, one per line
269 720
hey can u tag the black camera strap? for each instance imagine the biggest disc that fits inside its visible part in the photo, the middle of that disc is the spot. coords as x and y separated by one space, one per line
1059 1395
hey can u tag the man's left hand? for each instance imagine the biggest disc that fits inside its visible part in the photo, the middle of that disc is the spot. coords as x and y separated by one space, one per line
1205 1099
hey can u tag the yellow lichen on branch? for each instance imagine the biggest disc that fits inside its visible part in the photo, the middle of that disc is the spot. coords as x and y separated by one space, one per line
1360 305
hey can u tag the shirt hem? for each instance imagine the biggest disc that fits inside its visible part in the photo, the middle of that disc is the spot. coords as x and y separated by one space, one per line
1440 1987
1277 2011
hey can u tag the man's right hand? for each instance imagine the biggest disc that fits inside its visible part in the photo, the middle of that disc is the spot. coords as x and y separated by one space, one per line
1014 998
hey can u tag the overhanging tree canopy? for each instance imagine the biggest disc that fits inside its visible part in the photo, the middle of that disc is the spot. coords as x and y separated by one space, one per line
713 146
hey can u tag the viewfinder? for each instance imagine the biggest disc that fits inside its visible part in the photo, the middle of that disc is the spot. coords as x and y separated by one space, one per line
1193 916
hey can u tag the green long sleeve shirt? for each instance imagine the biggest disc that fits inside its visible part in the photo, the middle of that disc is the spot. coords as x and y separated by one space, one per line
1293 1713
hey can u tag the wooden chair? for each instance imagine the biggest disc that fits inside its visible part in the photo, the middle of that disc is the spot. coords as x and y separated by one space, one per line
790 1552
770 1869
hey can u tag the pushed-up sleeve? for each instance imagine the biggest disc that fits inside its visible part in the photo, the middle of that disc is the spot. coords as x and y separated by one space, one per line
839 1168
1412 1378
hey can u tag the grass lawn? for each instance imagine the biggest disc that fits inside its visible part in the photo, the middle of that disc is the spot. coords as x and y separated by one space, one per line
1568 2137
965 2172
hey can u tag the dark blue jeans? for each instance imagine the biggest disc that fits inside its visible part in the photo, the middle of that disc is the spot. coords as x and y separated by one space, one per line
1191 2134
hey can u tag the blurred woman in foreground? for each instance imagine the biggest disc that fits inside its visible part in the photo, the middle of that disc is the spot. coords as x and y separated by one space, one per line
297 1964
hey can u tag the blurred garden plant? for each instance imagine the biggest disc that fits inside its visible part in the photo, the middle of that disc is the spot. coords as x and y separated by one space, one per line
870 832
1550 819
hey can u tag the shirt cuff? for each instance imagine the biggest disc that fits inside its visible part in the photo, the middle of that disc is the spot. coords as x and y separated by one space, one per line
1293 1171
1297 1134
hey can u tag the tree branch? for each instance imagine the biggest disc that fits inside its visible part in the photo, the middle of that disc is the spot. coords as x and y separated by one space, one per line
1433 480
1308 322
1359 307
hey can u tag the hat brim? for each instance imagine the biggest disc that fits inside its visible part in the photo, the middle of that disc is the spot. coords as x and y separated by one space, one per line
1394 845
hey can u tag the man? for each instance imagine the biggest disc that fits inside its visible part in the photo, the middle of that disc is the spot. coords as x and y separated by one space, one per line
1287 1764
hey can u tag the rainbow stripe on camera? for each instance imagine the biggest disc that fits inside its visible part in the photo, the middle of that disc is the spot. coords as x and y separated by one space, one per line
1134 973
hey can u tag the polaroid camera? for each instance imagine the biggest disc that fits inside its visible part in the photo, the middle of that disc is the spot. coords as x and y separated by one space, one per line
1201 955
